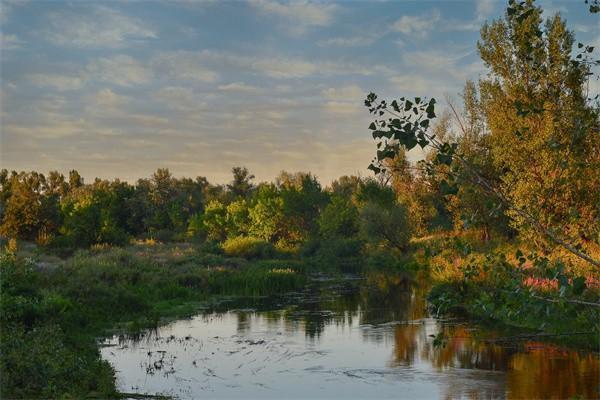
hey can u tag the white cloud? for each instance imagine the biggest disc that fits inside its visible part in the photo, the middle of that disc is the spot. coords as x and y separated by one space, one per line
344 100
54 127
437 72
6 7
238 87
351 41
300 14
352 92
103 27
343 107
121 70
9 42
108 99
183 65
484 9
179 98
284 68
586 28
413 84
201 66
56 81
418 26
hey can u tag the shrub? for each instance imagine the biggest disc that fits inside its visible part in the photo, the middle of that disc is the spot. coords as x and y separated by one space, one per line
382 260
340 248
387 225
196 228
215 220
339 219
248 247
161 235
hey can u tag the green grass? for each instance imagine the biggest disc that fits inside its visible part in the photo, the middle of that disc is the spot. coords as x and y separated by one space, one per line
51 316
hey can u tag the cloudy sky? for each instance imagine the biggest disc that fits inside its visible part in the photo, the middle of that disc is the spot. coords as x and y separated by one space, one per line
119 88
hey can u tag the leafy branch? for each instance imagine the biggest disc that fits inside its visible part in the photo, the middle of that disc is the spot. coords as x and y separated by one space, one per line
408 124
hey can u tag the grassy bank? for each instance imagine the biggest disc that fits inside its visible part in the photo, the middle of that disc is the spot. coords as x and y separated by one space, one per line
52 312
53 309
502 281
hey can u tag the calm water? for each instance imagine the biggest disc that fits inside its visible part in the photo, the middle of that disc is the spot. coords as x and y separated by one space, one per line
356 339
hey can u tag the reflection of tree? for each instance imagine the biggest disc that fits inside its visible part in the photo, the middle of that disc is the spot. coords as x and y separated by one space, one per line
385 298
406 345
541 371
243 322
462 350
548 372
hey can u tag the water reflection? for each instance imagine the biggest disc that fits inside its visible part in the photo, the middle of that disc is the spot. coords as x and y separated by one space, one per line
358 338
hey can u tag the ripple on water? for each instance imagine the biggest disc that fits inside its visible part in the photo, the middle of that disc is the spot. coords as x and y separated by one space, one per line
349 344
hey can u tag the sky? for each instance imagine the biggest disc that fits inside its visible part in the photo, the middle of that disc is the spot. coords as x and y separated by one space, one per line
116 89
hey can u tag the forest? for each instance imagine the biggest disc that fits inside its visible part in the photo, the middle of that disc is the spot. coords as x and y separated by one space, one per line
501 218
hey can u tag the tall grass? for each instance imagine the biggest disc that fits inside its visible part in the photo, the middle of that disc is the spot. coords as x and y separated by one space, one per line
51 316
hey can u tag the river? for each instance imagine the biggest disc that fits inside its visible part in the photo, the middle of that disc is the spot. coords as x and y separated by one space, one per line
355 338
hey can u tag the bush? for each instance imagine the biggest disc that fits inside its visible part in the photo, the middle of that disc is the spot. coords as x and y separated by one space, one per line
339 219
196 228
248 247
387 225
383 260
38 358
340 248
161 235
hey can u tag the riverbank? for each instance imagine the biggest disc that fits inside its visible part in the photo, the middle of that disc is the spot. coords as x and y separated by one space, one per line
54 309
52 313
504 282
351 338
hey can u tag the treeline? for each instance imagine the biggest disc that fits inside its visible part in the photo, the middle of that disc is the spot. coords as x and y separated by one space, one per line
67 213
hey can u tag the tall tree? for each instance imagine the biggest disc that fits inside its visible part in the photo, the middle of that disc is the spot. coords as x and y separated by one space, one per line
544 137
241 186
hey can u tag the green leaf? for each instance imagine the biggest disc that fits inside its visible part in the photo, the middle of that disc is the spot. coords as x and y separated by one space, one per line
447 189
375 169
518 254
430 110
443 158
372 126
407 105
579 285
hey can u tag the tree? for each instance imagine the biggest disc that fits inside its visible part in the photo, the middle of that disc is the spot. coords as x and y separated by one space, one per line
345 186
385 225
215 220
266 215
241 186
75 180
96 213
471 205
238 219
544 137
339 219
303 201
28 211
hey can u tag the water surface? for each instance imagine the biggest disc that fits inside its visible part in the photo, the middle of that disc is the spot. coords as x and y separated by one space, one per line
355 339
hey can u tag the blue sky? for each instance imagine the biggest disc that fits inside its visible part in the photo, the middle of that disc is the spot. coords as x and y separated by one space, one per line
119 88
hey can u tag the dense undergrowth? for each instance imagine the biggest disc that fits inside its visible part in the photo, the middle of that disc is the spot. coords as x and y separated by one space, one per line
51 315
500 281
